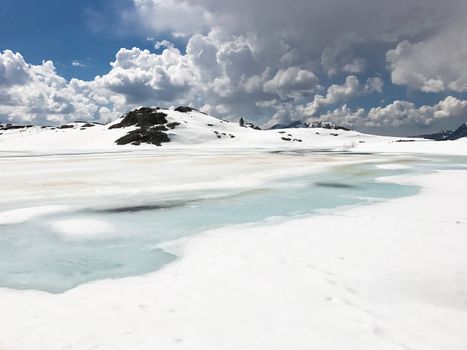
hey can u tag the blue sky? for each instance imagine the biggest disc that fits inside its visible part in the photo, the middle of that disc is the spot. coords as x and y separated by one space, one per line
391 66
62 31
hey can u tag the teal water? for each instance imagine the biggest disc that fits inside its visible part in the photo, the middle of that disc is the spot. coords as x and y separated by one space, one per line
33 256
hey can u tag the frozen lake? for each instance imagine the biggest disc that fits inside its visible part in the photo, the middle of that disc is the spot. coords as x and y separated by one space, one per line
69 219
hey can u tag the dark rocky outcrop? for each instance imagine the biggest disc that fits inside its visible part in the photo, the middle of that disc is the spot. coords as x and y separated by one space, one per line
13 127
151 122
184 109
173 125
327 125
144 117
66 126
142 135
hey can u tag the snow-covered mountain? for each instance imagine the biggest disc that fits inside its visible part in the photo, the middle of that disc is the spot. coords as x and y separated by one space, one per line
150 127
299 124
184 126
445 135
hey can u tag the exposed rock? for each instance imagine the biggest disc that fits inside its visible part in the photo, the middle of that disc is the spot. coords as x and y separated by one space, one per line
327 125
12 127
87 125
252 126
173 125
66 126
155 137
160 127
143 117
184 109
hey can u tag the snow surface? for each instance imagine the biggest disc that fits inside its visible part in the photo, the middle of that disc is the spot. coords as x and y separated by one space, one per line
390 275
386 276
195 130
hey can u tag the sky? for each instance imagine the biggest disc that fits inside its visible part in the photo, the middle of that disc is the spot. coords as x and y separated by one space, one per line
394 67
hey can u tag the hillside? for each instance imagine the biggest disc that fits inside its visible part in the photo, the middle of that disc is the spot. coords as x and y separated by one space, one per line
151 128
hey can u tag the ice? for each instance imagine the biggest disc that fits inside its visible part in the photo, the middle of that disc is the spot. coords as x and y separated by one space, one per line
233 249
120 236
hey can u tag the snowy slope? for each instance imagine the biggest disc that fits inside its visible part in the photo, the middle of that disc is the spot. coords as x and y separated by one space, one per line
197 129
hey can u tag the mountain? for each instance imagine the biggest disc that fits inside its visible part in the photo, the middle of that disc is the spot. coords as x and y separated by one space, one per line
447 135
184 127
460 132
299 124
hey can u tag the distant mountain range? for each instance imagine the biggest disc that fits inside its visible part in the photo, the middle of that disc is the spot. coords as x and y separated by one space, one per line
299 124
446 135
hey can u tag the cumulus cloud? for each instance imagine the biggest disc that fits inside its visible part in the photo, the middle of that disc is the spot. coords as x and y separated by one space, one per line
269 60
336 35
398 113
435 64
36 93
342 93
13 69
291 80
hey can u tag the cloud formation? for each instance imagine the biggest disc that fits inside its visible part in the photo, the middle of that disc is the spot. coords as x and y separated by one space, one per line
398 113
268 60
36 93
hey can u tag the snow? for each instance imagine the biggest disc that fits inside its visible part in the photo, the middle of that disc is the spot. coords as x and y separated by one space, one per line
83 227
390 166
196 130
16 216
386 275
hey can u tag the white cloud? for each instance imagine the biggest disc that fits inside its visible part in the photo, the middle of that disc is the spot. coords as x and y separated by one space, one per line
398 113
435 64
340 37
13 69
291 80
76 63
342 93
36 93
263 62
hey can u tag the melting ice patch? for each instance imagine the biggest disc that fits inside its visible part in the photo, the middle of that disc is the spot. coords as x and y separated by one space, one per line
62 250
